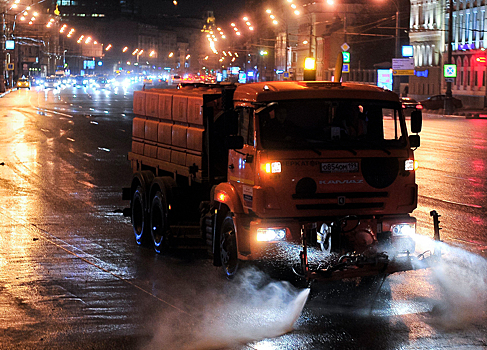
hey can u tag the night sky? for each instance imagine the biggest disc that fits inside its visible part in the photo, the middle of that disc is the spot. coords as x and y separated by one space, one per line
222 9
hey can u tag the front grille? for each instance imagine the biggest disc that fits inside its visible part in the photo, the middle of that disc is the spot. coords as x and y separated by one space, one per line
334 206
343 194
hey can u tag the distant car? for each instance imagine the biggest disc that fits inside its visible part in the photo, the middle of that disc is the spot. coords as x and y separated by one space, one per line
438 102
175 79
409 105
81 81
101 83
23 83
37 81
51 82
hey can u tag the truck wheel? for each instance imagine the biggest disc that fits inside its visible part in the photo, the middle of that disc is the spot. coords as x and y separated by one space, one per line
228 247
159 224
139 217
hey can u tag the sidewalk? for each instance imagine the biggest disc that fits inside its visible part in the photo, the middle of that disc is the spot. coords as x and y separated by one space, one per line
465 113
6 92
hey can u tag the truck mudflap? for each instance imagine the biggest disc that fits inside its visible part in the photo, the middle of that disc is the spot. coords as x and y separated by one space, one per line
353 265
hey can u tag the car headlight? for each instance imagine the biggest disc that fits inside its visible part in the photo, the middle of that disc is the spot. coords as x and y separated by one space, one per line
271 234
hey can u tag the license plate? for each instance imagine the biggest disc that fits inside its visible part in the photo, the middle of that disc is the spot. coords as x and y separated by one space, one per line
351 167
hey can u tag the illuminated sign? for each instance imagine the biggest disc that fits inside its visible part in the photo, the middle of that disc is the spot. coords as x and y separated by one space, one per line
242 78
384 78
89 64
346 57
407 51
466 46
9 44
450 70
481 59
403 63
421 73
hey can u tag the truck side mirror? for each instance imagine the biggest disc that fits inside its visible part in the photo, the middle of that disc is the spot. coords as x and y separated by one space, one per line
416 121
414 141
234 142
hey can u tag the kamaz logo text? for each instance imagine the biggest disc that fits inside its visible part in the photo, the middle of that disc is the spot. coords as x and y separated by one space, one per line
340 182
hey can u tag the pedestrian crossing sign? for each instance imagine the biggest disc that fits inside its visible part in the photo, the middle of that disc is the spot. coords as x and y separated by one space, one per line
450 70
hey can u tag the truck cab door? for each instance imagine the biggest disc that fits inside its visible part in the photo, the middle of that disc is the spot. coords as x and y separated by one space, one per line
241 163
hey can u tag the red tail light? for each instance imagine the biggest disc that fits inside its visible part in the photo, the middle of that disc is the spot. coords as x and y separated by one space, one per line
403 106
419 106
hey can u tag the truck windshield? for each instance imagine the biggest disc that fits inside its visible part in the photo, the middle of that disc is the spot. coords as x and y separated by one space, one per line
347 123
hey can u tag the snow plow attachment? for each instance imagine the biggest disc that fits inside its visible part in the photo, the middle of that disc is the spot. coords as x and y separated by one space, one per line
353 265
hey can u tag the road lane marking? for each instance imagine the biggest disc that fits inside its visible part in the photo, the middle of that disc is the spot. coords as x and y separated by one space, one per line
88 184
69 248
452 202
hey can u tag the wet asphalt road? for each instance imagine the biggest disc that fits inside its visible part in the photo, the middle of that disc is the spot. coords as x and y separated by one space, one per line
72 277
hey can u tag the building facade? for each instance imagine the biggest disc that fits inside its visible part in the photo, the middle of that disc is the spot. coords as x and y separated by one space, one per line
429 25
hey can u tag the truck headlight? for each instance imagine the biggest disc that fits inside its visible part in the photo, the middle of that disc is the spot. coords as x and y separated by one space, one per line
402 240
403 229
271 234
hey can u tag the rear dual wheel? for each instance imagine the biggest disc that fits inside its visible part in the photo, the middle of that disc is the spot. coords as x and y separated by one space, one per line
159 227
139 217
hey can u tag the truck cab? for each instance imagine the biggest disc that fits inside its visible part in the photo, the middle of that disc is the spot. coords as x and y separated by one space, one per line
330 159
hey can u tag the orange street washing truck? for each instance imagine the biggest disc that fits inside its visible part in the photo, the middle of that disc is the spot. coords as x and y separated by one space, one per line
318 176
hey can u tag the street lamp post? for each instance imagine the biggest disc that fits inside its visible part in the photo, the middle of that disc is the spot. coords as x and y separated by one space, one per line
397 50
2 53
397 81
448 94
279 37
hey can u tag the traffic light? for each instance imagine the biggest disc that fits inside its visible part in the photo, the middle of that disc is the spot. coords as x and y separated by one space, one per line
309 69
346 56
309 63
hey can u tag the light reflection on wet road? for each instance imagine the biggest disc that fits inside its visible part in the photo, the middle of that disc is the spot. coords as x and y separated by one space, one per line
73 278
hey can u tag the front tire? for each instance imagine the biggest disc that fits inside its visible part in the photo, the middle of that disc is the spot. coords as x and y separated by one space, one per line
139 217
228 247
159 223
